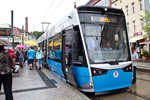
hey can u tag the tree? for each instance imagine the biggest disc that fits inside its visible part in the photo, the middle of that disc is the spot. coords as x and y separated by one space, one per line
146 20
37 34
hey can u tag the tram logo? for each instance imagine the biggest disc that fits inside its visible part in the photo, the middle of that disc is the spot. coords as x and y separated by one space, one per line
115 74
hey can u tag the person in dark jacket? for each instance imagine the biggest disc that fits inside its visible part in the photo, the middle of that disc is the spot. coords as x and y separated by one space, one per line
6 67
17 56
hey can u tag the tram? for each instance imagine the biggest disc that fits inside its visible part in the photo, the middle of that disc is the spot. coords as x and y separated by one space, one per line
76 49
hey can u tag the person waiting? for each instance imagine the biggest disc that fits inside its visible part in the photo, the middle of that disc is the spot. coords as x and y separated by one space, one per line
135 57
39 54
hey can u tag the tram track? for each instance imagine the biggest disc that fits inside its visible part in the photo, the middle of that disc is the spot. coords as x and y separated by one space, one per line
139 95
143 79
143 70
101 97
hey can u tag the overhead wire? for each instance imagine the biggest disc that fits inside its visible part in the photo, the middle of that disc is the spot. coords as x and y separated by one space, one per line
52 3
54 11
50 7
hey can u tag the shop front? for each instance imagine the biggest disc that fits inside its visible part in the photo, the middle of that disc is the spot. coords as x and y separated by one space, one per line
135 41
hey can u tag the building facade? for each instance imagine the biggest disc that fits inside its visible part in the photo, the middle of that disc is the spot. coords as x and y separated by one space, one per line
19 35
134 10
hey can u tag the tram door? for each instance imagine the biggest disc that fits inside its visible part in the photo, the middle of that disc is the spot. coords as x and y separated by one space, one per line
67 40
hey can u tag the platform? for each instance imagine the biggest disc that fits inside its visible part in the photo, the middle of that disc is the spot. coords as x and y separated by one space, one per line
42 85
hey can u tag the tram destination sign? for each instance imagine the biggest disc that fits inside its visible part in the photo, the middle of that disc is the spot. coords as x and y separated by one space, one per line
5 31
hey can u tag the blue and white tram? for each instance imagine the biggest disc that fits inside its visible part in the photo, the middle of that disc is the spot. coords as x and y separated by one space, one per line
76 49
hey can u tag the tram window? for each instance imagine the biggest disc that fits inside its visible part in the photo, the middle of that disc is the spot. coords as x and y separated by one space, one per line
68 46
74 49
76 28
78 55
55 50
69 58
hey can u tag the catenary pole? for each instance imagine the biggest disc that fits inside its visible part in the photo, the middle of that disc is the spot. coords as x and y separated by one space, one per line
12 30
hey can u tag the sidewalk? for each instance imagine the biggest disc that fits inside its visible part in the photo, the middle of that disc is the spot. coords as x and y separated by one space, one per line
143 65
42 85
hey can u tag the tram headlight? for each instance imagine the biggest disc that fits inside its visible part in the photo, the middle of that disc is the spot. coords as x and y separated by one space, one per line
97 71
128 68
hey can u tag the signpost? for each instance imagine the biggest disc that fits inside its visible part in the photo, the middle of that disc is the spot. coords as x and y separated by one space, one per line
5 31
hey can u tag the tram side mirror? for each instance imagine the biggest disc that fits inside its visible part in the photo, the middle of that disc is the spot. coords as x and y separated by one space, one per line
76 28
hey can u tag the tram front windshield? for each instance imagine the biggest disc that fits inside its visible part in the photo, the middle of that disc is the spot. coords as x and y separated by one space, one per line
105 37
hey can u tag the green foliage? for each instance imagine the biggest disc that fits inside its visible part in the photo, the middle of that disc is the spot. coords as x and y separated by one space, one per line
146 28
37 34
146 20
145 53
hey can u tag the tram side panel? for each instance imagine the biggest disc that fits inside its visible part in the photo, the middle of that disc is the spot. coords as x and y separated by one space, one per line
82 77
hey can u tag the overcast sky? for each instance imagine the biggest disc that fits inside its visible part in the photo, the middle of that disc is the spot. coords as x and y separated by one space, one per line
37 11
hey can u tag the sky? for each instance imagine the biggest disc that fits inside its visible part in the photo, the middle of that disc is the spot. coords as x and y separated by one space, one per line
37 11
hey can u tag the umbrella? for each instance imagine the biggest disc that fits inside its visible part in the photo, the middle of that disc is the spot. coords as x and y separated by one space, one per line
31 43
4 42
20 46
11 52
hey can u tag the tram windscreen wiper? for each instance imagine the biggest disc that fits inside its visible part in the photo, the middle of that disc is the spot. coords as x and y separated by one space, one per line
120 54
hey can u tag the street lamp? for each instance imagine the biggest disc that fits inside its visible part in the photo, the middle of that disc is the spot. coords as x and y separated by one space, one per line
12 27
48 23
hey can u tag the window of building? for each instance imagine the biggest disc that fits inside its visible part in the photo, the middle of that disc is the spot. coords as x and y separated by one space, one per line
133 8
142 23
127 11
140 4
128 26
134 26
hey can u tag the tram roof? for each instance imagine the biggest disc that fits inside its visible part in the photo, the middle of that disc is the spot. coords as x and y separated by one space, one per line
59 25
